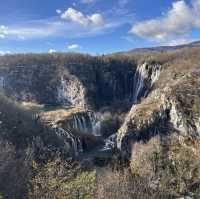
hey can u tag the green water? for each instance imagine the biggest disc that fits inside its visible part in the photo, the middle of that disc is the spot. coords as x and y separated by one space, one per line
98 152
48 108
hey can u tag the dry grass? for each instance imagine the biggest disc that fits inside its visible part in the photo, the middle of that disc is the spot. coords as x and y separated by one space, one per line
122 185
173 164
145 156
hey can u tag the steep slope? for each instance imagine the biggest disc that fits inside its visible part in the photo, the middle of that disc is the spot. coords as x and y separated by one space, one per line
172 106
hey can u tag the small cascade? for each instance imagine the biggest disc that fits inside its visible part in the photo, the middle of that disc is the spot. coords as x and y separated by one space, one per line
86 122
62 91
69 138
1 82
146 75
95 123
110 142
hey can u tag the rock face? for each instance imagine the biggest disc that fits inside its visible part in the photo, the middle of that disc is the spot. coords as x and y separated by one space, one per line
90 87
76 80
173 109
71 92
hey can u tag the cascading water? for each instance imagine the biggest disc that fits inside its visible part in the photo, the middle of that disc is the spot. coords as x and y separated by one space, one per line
86 122
71 91
62 97
110 142
90 122
145 76
69 138
1 81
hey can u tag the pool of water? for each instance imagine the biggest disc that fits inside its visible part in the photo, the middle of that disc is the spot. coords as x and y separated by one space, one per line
48 108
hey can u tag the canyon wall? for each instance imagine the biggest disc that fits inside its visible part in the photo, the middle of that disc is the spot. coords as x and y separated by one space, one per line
75 81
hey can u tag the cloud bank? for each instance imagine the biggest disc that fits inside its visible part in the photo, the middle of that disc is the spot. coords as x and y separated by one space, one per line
177 22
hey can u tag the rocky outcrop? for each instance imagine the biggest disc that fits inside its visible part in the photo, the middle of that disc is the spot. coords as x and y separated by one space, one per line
172 109
71 92
80 129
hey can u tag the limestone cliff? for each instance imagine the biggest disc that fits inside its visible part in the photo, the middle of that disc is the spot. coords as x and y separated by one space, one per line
171 108
74 80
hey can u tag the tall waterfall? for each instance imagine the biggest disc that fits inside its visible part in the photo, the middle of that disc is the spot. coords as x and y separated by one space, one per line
145 76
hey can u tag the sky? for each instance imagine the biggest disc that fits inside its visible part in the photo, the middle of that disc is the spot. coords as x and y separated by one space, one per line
96 26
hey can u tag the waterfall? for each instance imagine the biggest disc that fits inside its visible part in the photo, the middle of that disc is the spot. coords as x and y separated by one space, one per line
62 91
146 75
95 123
87 122
71 91
1 82
110 142
69 138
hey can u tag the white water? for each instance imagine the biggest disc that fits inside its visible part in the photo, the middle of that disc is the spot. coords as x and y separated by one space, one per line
145 76
110 142
1 82
66 135
87 123
71 92
62 97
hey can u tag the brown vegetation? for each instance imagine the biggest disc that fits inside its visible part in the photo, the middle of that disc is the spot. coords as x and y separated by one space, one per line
170 164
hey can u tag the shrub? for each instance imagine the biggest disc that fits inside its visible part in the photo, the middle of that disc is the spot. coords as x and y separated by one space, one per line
145 158
172 165
123 185
15 171
62 180
181 173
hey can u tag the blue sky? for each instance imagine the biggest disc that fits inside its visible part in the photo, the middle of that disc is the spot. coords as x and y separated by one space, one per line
96 26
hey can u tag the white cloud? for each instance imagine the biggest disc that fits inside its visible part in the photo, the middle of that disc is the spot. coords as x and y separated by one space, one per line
85 20
4 52
177 41
3 31
54 27
58 11
74 25
52 51
73 46
177 22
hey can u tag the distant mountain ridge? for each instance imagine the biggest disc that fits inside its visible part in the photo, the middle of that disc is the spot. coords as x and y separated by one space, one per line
162 48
